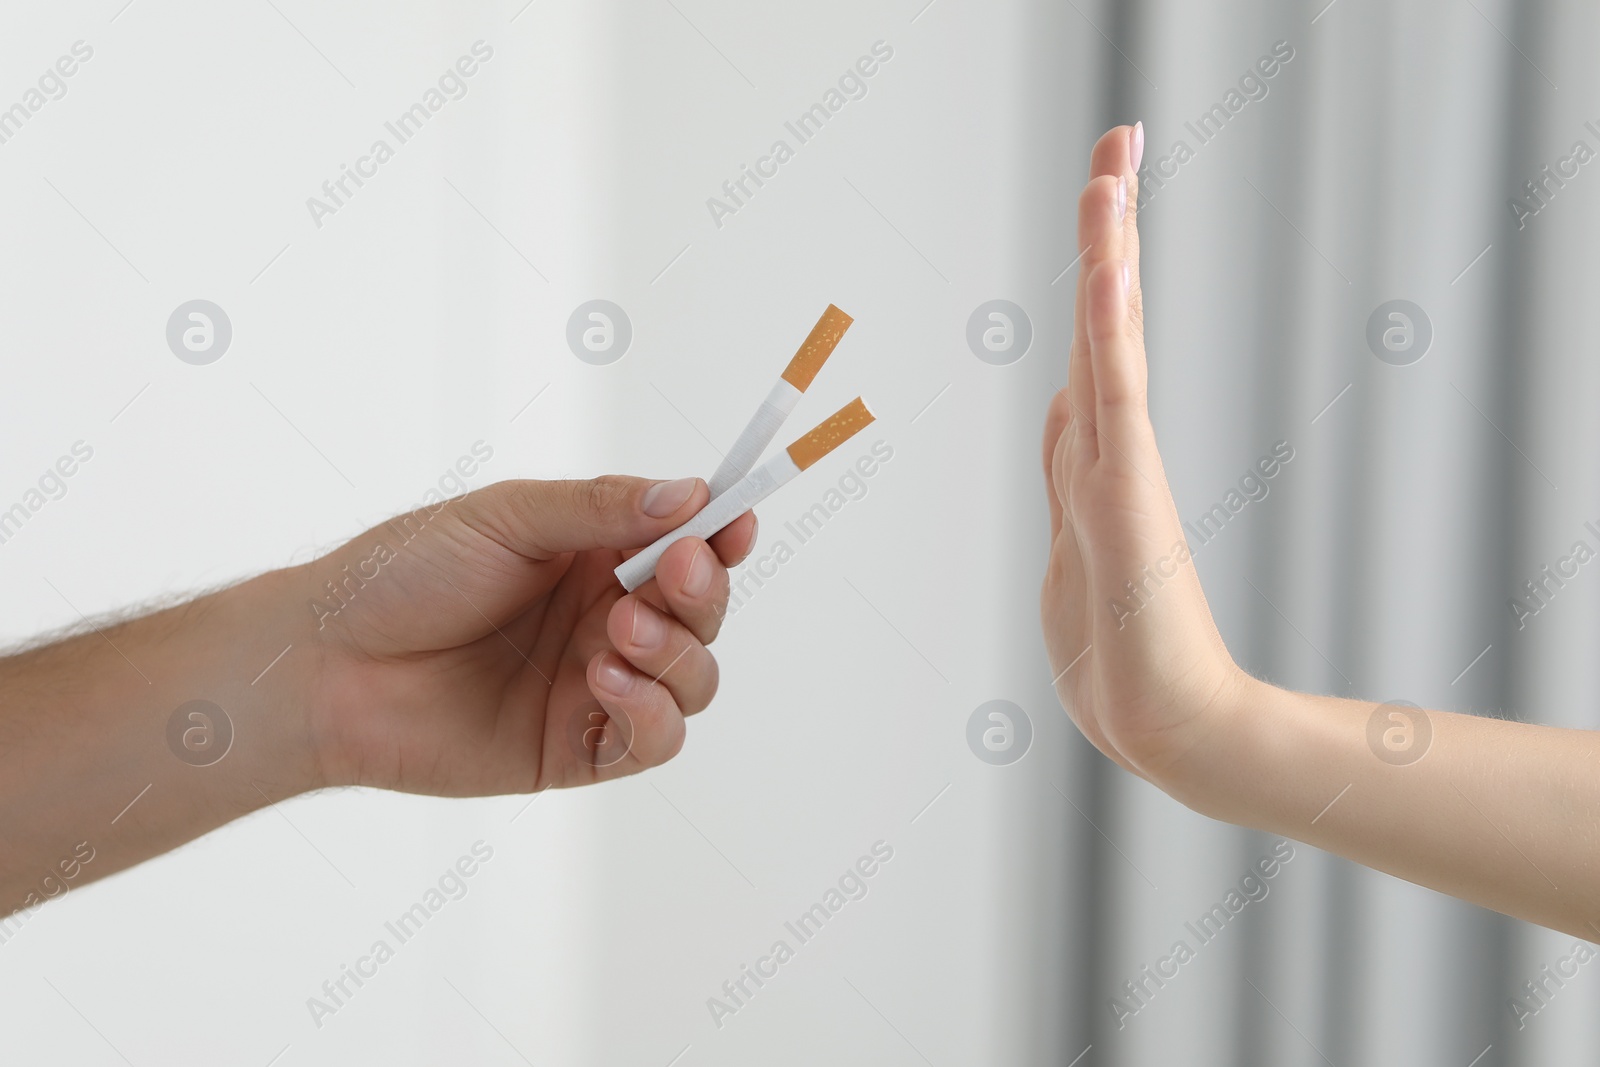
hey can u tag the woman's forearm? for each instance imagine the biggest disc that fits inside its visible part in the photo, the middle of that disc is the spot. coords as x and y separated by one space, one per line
1503 814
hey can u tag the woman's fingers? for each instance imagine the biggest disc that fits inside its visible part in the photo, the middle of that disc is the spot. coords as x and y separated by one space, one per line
1056 422
1119 154
1130 232
662 648
1109 328
1107 232
1121 411
1101 209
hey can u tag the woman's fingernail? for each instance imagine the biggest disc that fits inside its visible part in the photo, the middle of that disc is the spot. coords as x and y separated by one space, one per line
613 677
1122 197
698 580
1127 279
648 629
1136 146
664 498
755 529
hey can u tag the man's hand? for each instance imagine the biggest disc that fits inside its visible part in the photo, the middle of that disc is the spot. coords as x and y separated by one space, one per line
478 646
488 648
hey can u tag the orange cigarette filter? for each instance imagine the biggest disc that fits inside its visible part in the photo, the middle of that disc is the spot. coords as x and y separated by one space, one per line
834 431
817 347
786 392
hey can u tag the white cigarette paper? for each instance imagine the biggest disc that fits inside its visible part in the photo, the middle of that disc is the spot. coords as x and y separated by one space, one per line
723 509
755 487
757 435
795 380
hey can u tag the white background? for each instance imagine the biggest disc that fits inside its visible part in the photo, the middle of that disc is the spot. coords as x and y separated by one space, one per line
375 350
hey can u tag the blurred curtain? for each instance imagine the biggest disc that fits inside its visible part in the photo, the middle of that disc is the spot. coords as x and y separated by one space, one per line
1380 163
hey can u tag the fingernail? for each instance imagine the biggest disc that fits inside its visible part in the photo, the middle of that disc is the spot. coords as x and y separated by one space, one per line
613 677
1127 279
1122 197
698 579
664 498
1136 146
755 530
648 630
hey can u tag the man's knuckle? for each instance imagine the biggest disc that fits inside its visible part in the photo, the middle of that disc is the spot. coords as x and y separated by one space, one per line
602 495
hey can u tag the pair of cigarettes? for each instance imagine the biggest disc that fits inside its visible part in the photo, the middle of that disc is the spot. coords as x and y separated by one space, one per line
738 484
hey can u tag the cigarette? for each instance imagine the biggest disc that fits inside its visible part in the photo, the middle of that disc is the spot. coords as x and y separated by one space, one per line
752 488
796 377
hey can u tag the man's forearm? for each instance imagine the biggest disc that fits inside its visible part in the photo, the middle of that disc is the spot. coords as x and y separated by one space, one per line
123 742
1482 809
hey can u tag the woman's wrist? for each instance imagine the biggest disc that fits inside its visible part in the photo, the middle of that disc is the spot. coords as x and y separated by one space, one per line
1274 760
1235 770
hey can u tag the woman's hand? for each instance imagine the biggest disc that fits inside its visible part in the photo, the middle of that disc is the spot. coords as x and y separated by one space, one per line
1480 808
1139 664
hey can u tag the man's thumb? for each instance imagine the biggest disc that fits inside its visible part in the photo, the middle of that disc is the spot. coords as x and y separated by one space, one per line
541 520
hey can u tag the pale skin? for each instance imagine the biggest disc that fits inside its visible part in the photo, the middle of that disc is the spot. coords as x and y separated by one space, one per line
1503 814
491 652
